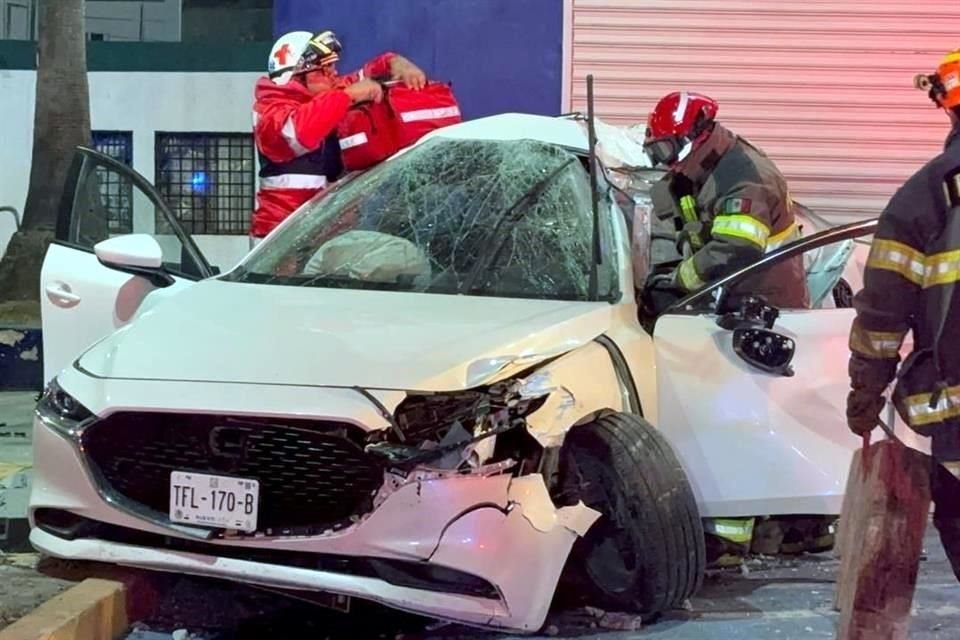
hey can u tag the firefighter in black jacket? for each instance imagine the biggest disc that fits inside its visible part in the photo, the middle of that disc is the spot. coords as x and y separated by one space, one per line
731 200
913 267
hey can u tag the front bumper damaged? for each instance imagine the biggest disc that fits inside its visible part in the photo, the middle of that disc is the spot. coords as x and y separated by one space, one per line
503 531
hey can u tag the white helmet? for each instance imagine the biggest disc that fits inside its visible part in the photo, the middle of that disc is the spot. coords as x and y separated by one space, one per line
285 54
300 51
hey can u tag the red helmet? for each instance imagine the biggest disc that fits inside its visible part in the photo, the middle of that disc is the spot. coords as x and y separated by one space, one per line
943 87
679 122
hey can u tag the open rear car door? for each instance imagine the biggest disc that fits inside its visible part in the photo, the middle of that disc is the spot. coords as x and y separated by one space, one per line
109 215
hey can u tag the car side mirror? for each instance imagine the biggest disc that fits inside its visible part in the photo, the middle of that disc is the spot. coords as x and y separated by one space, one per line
138 254
754 311
765 349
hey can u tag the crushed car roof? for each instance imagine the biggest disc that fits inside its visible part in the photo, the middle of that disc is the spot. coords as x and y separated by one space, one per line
562 131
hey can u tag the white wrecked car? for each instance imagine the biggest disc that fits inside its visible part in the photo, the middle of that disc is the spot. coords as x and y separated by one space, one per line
423 389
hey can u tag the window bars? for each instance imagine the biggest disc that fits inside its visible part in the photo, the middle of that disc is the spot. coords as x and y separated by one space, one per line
116 192
207 179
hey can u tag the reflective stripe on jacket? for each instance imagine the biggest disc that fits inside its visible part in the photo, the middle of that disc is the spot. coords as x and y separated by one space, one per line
912 259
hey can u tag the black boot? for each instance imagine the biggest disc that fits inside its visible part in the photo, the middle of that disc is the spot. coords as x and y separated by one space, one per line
945 491
949 529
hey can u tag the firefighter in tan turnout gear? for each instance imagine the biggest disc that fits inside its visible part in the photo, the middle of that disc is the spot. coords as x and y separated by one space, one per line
909 283
730 202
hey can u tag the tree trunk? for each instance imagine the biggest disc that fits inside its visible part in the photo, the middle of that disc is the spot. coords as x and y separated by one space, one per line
61 122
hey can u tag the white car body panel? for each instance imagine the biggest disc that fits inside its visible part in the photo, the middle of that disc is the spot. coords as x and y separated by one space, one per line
574 397
751 443
108 396
754 443
435 342
473 523
81 302
563 132
448 521
440 605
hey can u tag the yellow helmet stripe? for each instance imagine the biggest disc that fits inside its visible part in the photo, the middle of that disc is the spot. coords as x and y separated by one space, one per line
953 56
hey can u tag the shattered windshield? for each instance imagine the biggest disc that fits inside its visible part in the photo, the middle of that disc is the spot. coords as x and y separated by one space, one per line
475 217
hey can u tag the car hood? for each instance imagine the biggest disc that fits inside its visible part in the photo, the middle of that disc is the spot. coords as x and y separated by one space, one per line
231 332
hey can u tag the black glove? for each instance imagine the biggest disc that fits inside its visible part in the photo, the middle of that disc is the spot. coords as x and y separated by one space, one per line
660 291
864 406
661 281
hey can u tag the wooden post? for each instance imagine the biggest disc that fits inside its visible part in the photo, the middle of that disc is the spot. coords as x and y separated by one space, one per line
884 518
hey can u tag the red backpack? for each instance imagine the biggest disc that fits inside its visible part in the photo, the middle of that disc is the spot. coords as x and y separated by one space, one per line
420 112
372 132
367 135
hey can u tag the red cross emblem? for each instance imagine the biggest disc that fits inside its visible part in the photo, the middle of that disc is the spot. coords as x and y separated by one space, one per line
282 53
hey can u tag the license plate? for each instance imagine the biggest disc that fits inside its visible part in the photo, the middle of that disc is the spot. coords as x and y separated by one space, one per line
214 501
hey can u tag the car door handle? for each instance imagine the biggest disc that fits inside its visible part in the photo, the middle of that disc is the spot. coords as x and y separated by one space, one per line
61 295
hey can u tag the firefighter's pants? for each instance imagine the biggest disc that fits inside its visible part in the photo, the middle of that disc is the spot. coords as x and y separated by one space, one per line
945 490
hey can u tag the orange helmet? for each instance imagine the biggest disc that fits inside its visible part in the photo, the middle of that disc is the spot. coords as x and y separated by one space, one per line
943 87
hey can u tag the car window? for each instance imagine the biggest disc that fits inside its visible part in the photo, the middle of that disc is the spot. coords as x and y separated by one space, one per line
107 199
475 217
829 261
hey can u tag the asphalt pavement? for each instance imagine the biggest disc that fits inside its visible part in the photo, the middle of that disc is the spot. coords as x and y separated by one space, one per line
767 598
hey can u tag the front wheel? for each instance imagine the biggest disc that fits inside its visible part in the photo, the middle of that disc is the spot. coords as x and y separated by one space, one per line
646 553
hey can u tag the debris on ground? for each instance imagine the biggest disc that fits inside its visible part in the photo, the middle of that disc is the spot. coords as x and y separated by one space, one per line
613 620
20 560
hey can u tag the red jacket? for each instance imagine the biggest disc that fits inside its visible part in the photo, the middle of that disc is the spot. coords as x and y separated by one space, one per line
291 127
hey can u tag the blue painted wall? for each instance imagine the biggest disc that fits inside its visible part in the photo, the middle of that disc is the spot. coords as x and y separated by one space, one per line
501 55
21 359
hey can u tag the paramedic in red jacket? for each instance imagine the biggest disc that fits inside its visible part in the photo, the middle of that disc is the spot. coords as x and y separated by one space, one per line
298 107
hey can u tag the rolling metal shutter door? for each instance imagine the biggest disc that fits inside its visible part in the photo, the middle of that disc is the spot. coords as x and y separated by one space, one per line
825 88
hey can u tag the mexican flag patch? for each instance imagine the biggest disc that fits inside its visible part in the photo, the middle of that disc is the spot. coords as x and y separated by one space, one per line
736 205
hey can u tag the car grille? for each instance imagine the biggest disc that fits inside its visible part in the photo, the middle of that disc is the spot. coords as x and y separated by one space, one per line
313 476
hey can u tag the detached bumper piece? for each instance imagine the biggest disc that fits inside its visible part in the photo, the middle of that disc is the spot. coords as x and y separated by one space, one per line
400 573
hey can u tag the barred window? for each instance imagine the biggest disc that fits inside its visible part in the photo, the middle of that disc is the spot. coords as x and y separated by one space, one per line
116 194
208 180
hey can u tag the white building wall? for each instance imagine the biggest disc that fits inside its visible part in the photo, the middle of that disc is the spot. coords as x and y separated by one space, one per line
141 102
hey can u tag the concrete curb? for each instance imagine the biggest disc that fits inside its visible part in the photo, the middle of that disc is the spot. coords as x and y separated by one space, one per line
106 600
93 610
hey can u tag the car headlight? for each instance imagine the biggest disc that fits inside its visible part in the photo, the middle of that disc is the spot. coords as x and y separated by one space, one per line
62 412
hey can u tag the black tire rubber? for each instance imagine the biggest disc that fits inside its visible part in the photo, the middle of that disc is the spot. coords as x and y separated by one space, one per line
842 294
627 470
